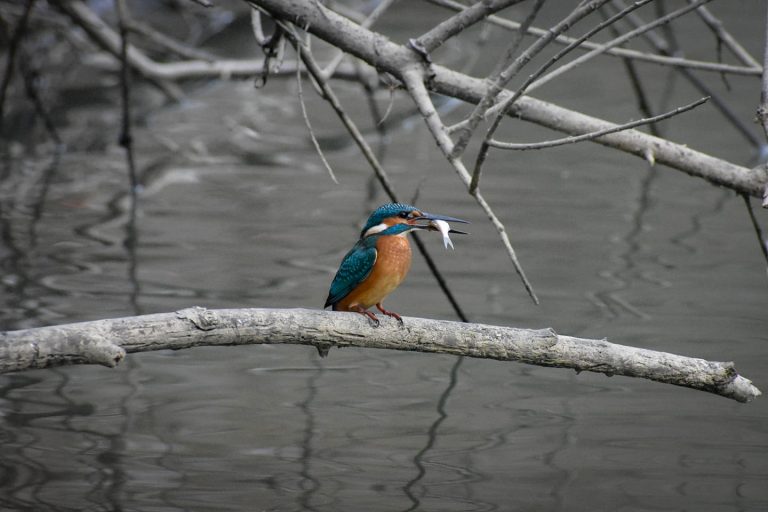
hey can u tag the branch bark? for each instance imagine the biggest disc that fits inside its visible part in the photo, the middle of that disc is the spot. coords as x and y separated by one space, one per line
106 342
386 56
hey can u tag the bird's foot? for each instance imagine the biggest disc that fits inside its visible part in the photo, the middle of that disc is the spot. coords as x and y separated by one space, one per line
389 313
359 309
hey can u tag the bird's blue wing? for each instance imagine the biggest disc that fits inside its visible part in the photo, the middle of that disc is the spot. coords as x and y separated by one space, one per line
354 268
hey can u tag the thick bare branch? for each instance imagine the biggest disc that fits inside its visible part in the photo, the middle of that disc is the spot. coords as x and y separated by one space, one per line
106 342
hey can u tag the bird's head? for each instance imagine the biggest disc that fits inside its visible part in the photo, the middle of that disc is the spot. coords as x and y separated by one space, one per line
397 218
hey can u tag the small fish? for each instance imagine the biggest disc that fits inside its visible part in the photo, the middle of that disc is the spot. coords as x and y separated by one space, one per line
444 228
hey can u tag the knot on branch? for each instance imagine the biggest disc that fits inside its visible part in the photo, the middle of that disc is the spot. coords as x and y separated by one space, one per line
104 353
202 318
418 47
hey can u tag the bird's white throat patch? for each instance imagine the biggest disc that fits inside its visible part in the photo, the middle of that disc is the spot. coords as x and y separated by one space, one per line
378 228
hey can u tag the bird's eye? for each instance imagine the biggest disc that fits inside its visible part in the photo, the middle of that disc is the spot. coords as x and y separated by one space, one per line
404 215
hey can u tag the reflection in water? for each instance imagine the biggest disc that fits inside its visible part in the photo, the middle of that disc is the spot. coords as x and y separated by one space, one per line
442 414
131 244
23 192
309 485
687 238
612 300
35 426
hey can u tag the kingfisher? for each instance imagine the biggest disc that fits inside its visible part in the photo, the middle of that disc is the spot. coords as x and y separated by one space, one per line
380 259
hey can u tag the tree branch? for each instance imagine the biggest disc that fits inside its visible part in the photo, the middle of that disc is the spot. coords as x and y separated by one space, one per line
665 47
103 35
723 35
459 22
617 41
594 135
663 60
505 105
389 57
413 79
106 342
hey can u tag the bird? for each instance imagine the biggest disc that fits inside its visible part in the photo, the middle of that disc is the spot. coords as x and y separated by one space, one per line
380 259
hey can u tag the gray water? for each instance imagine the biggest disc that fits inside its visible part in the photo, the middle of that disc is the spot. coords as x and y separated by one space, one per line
237 211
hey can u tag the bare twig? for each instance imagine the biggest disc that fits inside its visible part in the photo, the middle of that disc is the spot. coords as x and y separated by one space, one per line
723 35
413 79
308 123
617 41
643 102
459 22
504 106
762 110
717 100
498 80
618 52
758 230
507 74
595 134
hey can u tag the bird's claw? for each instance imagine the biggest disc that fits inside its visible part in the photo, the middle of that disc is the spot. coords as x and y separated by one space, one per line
390 314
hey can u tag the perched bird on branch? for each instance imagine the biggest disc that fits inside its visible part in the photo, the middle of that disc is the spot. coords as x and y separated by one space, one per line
380 259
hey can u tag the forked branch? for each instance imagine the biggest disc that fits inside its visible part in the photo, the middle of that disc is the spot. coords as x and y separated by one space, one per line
414 82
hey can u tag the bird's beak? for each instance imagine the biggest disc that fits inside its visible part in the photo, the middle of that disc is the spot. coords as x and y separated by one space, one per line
430 217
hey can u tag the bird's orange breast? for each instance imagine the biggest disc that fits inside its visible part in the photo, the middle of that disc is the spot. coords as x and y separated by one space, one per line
393 261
